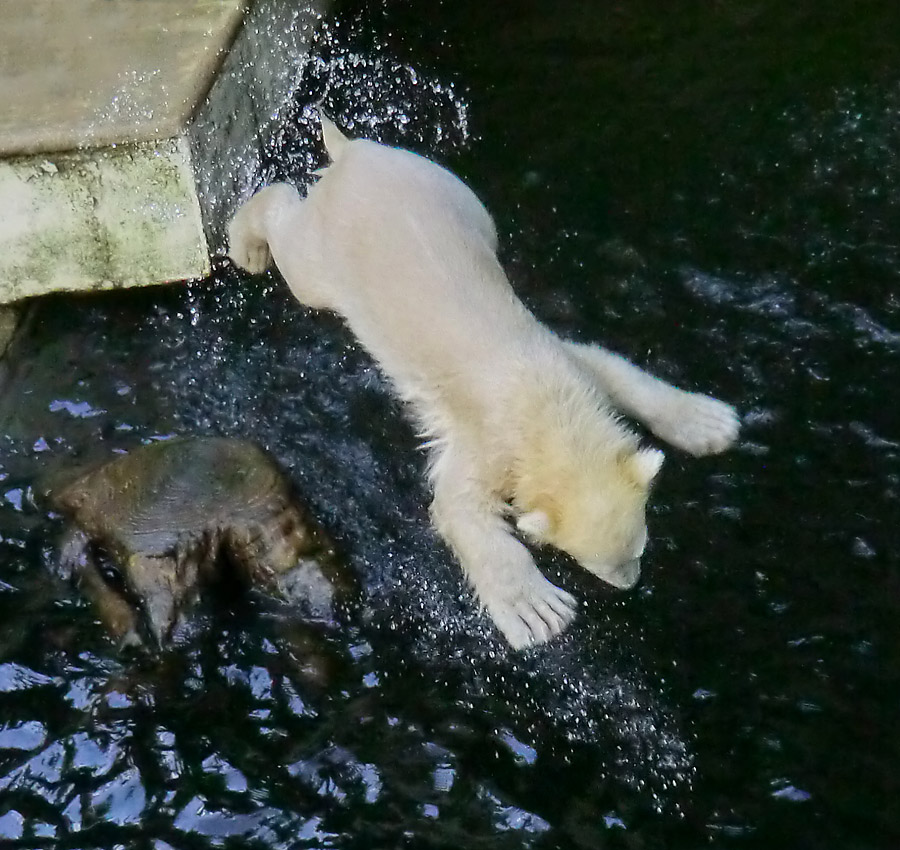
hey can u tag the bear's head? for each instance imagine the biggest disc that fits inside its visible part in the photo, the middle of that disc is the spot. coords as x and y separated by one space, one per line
592 506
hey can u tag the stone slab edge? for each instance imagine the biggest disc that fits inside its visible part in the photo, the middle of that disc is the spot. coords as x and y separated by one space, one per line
99 219
245 106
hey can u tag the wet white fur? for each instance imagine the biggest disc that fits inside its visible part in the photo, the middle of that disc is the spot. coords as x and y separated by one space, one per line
520 424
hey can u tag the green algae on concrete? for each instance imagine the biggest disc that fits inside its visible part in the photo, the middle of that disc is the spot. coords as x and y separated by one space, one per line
9 319
125 215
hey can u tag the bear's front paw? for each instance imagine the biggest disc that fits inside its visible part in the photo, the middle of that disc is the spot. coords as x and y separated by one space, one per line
529 610
699 424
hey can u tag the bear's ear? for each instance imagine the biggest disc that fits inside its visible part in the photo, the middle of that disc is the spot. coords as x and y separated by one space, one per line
646 464
534 524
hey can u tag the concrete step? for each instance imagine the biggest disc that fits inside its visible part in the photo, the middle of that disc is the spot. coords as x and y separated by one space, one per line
130 131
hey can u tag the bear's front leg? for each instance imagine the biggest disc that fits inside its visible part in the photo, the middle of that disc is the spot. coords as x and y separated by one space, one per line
524 606
694 422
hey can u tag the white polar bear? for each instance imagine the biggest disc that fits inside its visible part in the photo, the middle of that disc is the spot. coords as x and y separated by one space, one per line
519 422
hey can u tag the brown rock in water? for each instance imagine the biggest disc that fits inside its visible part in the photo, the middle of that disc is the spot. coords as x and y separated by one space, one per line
153 527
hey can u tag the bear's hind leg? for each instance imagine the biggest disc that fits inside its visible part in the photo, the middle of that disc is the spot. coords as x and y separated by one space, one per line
248 230
275 224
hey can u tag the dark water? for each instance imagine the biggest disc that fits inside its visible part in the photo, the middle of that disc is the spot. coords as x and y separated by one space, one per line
710 189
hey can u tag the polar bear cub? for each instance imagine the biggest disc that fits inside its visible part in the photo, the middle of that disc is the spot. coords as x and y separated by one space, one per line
520 424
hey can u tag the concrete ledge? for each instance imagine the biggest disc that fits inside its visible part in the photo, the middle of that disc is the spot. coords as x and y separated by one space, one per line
98 219
184 118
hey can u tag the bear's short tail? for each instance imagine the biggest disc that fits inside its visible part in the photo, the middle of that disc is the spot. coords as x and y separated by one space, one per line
335 140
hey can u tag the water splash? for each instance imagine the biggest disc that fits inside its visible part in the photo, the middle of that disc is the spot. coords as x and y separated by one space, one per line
371 95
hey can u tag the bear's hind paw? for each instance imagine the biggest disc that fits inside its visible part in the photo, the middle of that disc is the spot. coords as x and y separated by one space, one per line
251 255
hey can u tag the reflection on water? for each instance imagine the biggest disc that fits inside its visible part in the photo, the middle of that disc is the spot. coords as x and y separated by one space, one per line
731 224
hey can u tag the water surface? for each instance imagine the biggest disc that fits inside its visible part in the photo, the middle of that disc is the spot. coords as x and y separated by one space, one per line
711 191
